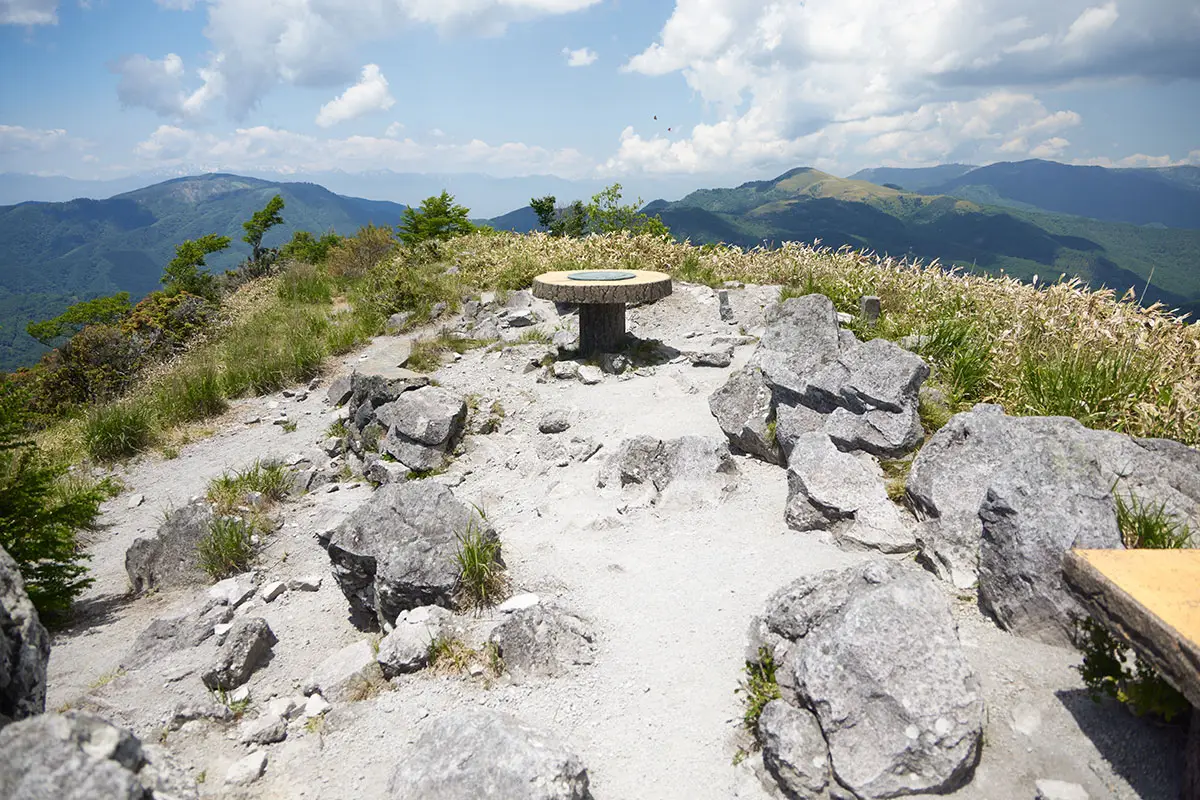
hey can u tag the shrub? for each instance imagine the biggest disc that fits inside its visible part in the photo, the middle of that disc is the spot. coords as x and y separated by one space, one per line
100 311
187 272
162 323
118 430
304 247
354 256
758 688
96 364
481 576
41 510
408 284
227 547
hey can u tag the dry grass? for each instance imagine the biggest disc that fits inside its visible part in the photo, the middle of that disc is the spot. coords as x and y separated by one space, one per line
1025 326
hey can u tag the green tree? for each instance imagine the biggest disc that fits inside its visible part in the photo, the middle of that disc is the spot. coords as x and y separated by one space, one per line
603 214
186 271
570 221
437 219
40 513
309 249
261 222
101 311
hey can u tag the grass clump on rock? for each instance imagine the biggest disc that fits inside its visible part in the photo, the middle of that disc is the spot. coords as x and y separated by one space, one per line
232 489
119 430
758 688
481 572
227 548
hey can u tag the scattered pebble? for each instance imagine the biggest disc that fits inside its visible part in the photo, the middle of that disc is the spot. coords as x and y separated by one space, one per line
247 770
136 500
273 590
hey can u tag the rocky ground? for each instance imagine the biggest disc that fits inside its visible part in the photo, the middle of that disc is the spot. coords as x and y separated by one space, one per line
661 585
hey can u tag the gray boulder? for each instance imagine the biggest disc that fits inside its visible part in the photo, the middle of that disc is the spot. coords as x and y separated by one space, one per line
507 760
369 392
169 557
794 750
829 490
24 648
801 336
79 756
554 421
743 409
543 641
396 551
247 646
874 653
169 634
423 426
689 470
406 648
348 675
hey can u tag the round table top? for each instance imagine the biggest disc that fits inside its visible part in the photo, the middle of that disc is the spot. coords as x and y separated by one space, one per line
644 286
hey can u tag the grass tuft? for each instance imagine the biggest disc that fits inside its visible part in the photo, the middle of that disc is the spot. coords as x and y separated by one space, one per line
481 573
758 688
230 490
227 548
118 430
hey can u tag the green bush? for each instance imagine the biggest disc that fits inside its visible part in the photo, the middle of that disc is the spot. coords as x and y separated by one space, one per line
438 218
408 284
758 688
227 548
118 430
100 311
306 248
163 322
41 510
354 256
188 272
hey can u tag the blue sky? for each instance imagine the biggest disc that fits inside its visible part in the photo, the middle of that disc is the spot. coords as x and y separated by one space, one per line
571 87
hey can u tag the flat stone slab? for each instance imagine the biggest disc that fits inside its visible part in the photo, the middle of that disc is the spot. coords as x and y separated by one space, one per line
645 286
1152 599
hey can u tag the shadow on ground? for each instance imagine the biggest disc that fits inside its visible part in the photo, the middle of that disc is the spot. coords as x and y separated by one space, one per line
94 612
1148 755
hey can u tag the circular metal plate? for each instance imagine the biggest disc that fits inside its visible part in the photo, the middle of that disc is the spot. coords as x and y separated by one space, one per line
601 275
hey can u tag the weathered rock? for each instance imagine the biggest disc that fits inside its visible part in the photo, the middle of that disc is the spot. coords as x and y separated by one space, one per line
518 602
876 657
169 557
339 391
543 641
167 635
801 335
396 322
247 646
350 674
508 759
382 471
521 318
794 750
24 648
555 421
833 491
589 375
1034 511
267 729
247 769
396 551
235 590
369 392
564 370
884 434
423 427
406 648
1059 790
183 713
743 409
315 706
307 583
79 756
717 357
690 469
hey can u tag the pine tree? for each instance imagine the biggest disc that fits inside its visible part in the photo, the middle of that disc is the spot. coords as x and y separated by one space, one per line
438 218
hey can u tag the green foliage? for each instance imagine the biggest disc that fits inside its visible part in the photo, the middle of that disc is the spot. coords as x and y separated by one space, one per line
163 323
695 270
262 221
41 512
231 489
426 355
962 354
758 688
118 430
306 248
227 548
96 364
1099 385
934 415
570 221
101 311
407 284
189 394
1146 525
438 218
354 256
481 576
305 283
604 214
186 272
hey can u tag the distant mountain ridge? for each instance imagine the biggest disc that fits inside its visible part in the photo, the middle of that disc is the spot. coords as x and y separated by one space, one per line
54 254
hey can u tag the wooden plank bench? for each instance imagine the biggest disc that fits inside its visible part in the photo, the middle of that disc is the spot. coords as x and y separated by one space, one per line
1151 599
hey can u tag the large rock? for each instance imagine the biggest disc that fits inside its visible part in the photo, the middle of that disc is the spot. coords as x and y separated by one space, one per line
829 490
78 756
951 475
169 557
397 551
801 336
406 648
24 648
873 651
744 410
169 634
543 641
690 470
423 426
248 646
348 675
477 753
369 392
794 750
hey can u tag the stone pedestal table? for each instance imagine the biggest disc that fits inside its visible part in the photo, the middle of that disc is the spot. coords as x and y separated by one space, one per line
601 296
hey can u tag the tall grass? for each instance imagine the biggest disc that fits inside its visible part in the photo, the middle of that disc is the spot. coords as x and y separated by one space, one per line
962 355
269 478
118 430
481 572
227 548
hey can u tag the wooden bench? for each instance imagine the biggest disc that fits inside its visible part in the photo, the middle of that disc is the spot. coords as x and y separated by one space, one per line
1151 599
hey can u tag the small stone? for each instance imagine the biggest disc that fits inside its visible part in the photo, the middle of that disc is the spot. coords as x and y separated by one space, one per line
220 630
286 707
590 375
713 358
288 393
315 706
136 500
247 770
334 446
518 602
868 309
272 590
233 591
1059 790
565 370
240 694
313 384
252 421
308 583
555 421
267 729
280 421
475 670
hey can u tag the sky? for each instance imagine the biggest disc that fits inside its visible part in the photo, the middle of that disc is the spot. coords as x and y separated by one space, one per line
715 92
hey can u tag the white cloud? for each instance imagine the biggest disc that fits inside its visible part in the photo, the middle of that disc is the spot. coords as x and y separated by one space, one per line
1090 22
368 95
1051 148
159 85
1141 160
316 43
33 150
28 12
850 82
582 57
272 149
394 130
